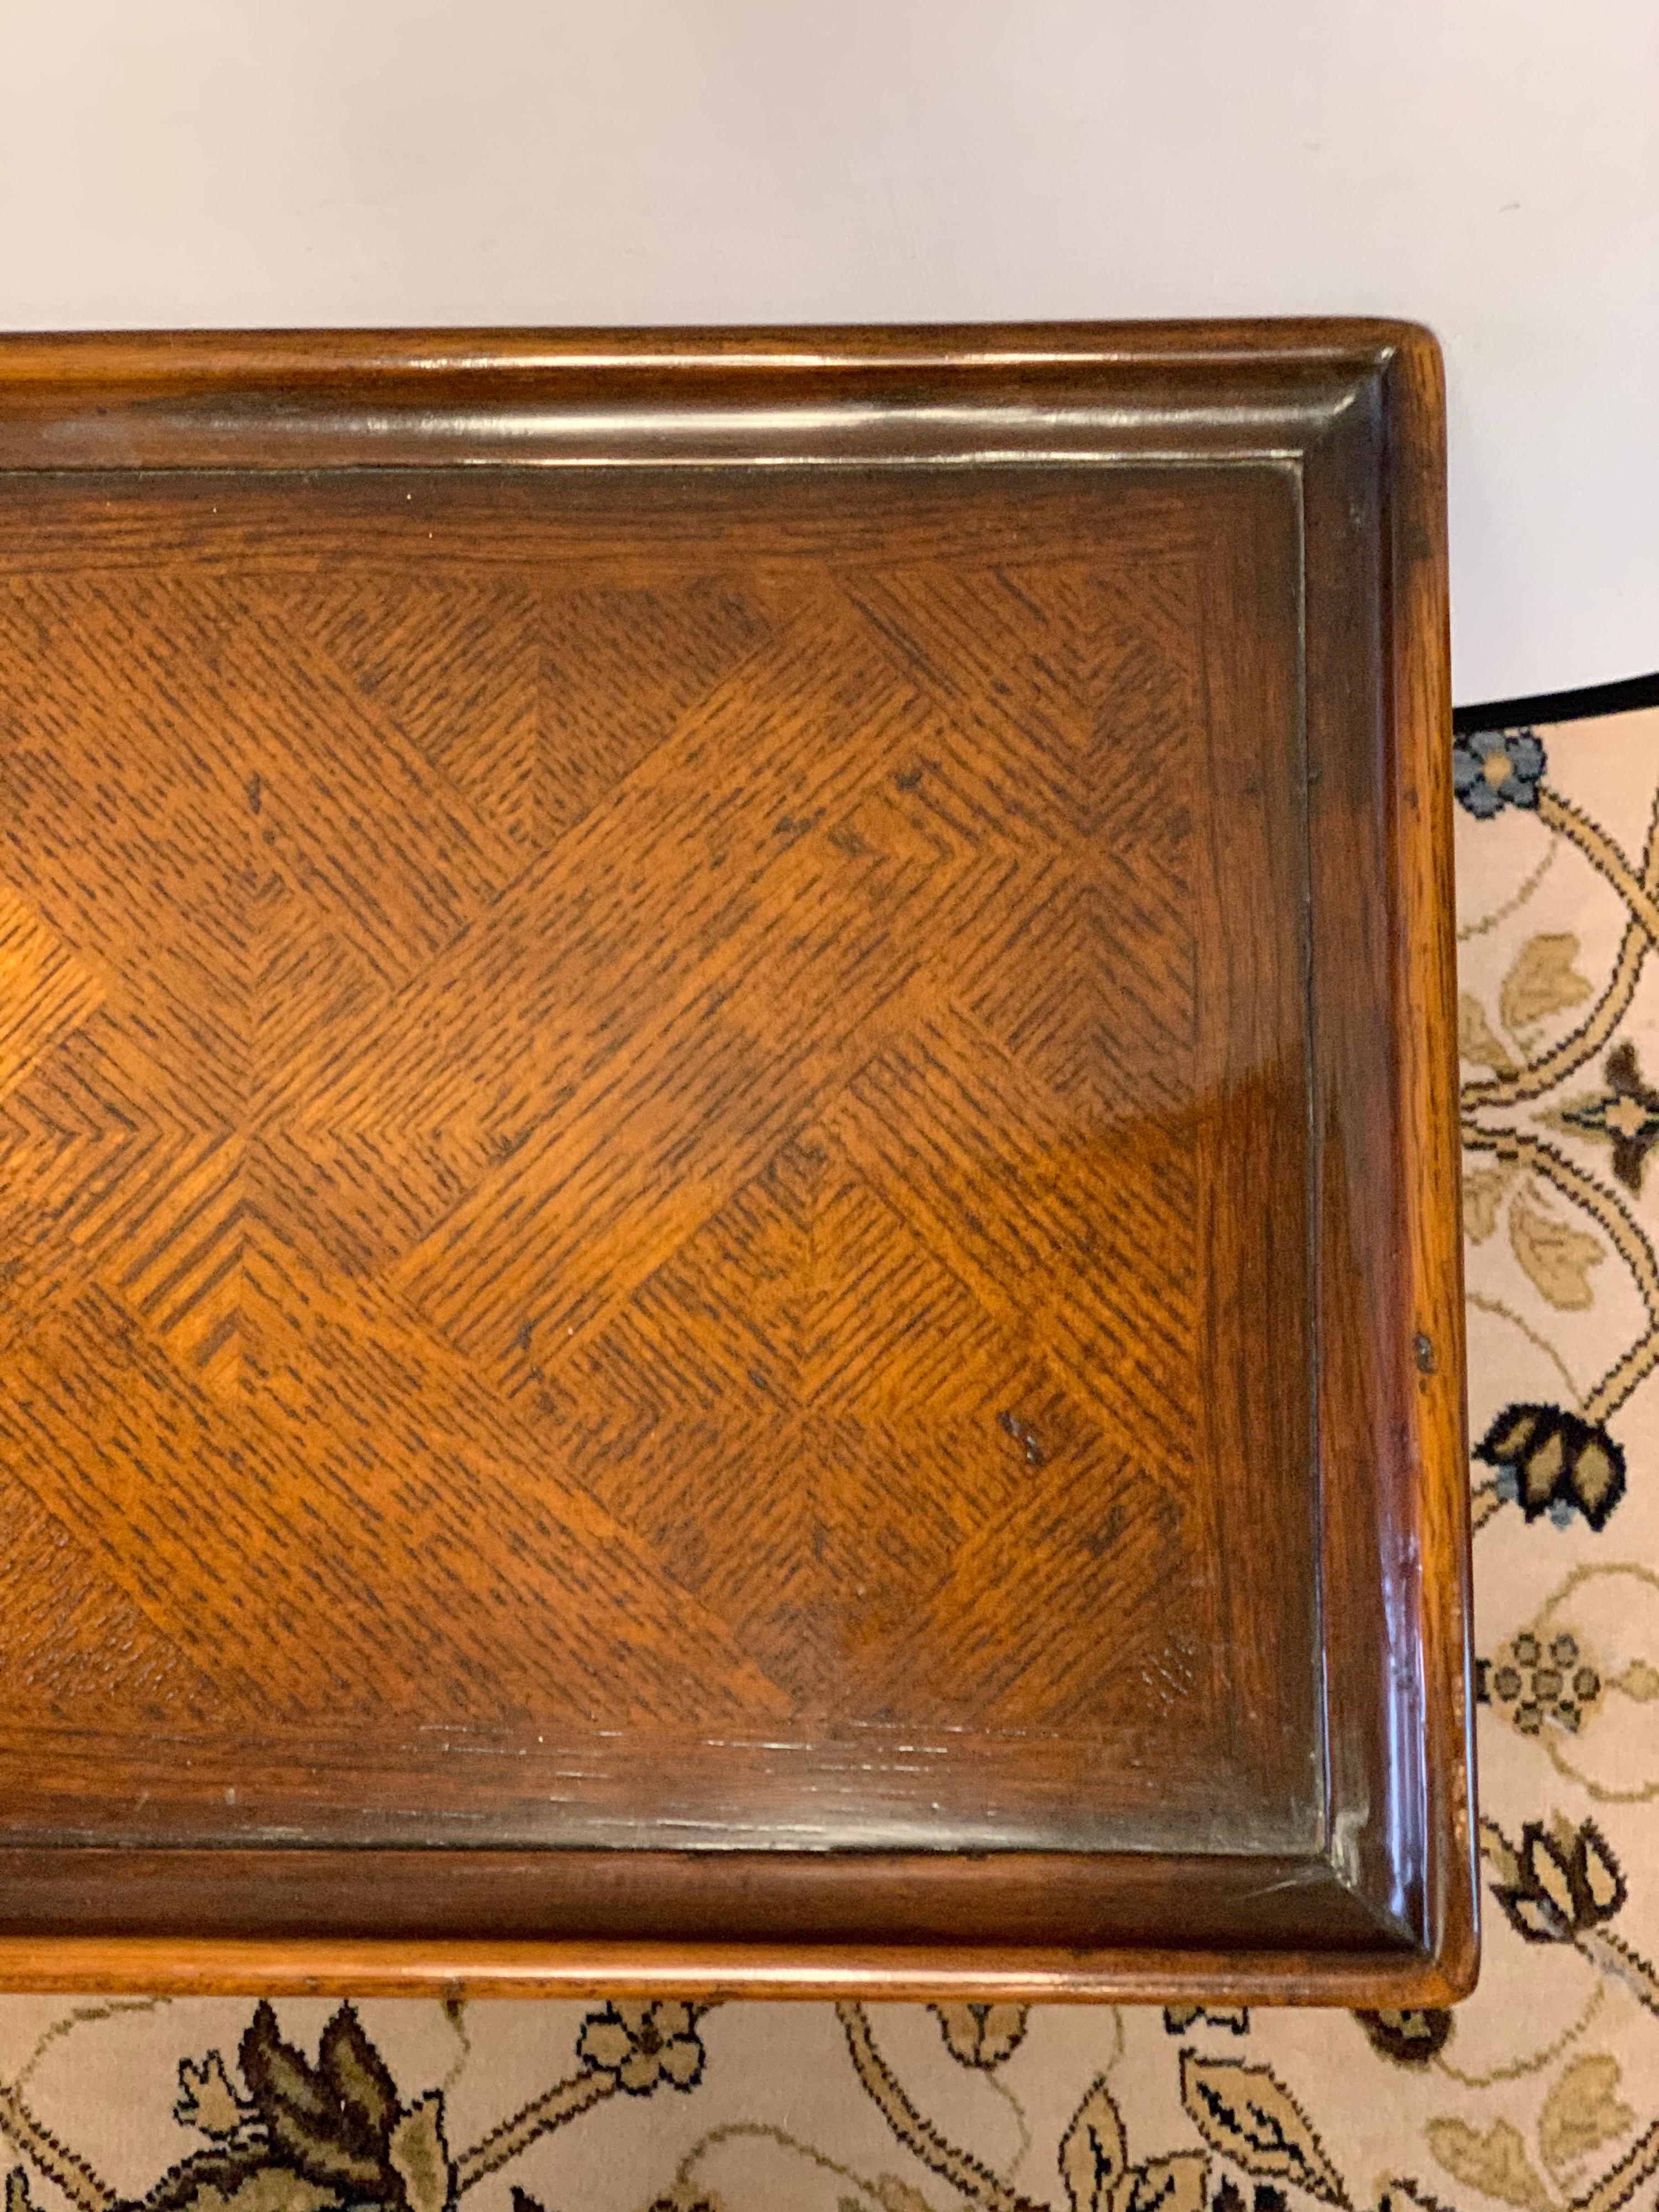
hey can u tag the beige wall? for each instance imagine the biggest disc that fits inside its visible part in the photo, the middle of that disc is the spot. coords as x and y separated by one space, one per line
1489 166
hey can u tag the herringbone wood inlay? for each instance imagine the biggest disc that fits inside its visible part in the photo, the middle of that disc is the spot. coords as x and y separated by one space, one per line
604 1139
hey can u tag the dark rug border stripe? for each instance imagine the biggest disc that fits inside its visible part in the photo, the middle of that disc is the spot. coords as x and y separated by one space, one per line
1558 706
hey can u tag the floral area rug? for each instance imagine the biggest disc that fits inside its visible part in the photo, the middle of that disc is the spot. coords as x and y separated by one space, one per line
1541 2094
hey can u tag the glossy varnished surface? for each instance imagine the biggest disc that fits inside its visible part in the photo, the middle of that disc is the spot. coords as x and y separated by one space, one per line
724 1233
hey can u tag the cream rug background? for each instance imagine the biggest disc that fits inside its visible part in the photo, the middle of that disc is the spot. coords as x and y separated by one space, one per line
1541 2094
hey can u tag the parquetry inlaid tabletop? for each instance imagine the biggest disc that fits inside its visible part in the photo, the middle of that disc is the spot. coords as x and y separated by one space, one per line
726 1207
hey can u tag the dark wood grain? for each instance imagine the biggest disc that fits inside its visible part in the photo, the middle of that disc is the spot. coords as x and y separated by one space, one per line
728 1236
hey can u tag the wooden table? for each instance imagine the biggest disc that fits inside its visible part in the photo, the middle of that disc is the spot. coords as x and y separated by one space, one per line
729 1221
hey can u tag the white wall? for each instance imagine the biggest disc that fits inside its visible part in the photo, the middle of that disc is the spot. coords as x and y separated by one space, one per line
1490 166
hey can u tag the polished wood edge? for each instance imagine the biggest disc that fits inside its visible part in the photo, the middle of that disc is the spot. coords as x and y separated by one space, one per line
943 1902
171 1966
305 400
1425 978
112 356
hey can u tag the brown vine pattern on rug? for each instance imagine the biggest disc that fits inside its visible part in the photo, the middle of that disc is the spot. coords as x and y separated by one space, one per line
1540 2095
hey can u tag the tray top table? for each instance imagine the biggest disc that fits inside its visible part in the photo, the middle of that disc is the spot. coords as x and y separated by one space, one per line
728 1226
